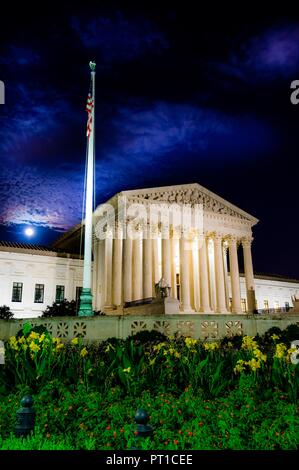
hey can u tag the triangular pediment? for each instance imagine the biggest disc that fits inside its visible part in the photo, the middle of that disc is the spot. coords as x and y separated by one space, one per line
192 194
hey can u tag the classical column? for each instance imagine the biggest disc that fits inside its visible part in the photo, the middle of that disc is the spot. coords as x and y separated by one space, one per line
147 268
137 266
117 267
220 288
204 276
225 250
108 269
195 268
184 274
155 251
234 275
249 278
95 270
127 269
173 243
211 271
100 288
166 258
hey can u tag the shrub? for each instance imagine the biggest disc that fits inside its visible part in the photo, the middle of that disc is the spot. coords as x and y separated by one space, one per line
5 313
147 336
62 309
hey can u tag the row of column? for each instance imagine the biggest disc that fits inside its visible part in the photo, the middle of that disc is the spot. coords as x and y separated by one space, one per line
131 268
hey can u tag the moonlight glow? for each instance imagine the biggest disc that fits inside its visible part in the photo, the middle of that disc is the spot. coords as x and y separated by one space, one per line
29 232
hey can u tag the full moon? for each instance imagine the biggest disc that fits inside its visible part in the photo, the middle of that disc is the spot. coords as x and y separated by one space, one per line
29 232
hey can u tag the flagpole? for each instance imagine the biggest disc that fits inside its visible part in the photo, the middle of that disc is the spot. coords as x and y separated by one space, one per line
86 295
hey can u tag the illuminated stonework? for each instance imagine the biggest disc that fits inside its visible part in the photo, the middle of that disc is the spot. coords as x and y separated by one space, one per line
205 278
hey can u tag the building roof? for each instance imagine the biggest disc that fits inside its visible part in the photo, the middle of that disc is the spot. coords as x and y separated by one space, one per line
34 249
273 277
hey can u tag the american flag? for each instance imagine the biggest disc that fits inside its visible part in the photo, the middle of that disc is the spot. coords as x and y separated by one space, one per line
89 106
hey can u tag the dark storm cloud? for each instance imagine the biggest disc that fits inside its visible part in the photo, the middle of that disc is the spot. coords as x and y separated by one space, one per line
20 56
59 196
164 127
269 55
143 138
38 114
118 39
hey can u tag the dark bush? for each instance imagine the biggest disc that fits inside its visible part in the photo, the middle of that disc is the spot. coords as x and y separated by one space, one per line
236 341
62 309
40 329
291 333
5 313
147 336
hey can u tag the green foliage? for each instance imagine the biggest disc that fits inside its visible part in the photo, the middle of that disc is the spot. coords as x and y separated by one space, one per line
5 313
72 418
241 393
62 309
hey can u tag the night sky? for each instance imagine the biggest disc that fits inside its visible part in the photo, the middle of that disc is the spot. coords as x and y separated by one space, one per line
182 96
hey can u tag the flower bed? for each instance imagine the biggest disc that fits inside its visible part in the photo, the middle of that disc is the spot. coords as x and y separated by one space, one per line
240 393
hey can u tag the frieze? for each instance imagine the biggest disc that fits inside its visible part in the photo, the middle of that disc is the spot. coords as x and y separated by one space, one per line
189 196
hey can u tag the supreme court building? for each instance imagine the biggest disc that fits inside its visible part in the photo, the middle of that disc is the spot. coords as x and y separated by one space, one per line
209 270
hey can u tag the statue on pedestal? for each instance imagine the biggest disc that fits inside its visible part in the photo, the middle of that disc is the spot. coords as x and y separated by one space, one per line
162 289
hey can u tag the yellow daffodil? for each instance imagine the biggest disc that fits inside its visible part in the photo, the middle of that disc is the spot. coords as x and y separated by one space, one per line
275 337
34 347
13 343
59 346
75 341
211 346
171 352
21 340
33 335
190 343
240 366
248 343
159 346
41 338
280 351
128 370
254 364
259 355
83 352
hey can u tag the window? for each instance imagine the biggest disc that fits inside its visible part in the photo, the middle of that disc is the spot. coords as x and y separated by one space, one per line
266 304
17 289
276 305
78 294
59 294
39 293
287 305
243 305
178 286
